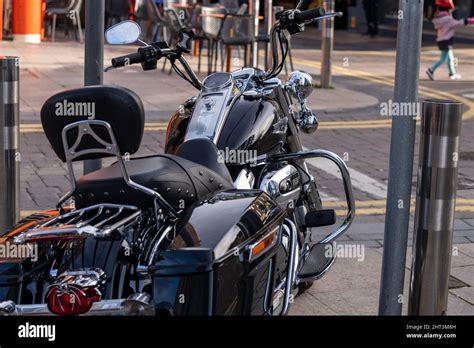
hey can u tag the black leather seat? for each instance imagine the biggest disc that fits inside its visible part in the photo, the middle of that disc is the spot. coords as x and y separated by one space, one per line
204 152
179 181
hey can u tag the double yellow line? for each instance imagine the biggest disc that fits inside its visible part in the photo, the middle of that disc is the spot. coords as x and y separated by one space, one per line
424 56
423 90
38 128
368 207
377 207
343 124
161 126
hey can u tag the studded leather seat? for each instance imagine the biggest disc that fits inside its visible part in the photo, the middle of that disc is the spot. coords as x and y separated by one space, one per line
180 181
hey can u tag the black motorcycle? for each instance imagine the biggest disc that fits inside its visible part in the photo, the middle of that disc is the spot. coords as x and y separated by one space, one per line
218 225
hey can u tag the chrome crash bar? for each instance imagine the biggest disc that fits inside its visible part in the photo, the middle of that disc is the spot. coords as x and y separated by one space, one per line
346 180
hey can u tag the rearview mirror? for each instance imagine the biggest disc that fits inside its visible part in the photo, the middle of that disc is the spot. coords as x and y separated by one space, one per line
123 33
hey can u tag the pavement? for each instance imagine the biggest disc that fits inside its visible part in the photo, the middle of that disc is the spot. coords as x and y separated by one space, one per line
351 126
352 286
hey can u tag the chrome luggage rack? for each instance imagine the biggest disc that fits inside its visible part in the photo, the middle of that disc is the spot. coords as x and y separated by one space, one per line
97 221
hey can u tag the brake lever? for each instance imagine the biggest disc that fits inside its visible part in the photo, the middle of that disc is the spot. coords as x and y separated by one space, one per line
109 68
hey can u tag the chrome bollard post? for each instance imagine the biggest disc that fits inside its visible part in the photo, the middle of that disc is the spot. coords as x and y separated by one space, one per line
9 140
435 205
327 45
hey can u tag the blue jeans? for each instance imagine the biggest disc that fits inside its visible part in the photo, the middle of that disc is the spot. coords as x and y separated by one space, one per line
446 55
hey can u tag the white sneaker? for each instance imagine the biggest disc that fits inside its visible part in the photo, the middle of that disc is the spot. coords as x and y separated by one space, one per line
455 77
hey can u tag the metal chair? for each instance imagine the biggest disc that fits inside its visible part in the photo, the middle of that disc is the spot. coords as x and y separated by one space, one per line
199 36
236 30
160 30
212 19
70 9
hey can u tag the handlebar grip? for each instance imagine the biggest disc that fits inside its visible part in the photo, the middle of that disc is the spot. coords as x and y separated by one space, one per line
128 59
304 16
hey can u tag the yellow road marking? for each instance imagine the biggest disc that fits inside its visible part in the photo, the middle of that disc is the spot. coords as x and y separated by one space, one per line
161 126
377 207
423 90
350 124
369 207
424 55
382 202
381 211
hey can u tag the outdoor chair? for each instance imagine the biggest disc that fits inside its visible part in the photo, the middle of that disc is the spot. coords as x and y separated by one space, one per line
70 10
236 30
161 25
212 19
199 36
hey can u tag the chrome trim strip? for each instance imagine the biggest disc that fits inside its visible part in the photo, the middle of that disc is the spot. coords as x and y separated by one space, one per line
10 138
10 92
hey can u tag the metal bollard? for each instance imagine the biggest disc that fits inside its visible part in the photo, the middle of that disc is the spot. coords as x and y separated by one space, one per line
435 206
9 140
327 45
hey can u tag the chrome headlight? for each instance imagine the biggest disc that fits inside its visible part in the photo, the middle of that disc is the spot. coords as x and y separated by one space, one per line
300 84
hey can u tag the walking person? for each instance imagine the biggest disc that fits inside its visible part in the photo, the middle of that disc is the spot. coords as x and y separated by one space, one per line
371 16
444 24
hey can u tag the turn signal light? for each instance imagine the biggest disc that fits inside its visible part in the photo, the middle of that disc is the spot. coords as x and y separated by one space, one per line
264 244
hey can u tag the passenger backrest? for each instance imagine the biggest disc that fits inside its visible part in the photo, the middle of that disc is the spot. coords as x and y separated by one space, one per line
121 108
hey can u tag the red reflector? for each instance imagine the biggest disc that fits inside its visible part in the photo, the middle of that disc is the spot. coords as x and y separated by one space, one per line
72 301
75 292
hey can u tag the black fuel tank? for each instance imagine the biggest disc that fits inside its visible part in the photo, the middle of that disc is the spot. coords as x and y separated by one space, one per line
253 124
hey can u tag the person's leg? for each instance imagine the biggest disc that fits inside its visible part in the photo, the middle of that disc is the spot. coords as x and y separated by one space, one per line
373 19
430 71
451 66
442 59
367 20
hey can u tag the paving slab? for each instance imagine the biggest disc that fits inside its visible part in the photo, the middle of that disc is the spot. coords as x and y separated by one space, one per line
352 287
464 273
467 249
465 293
307 304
